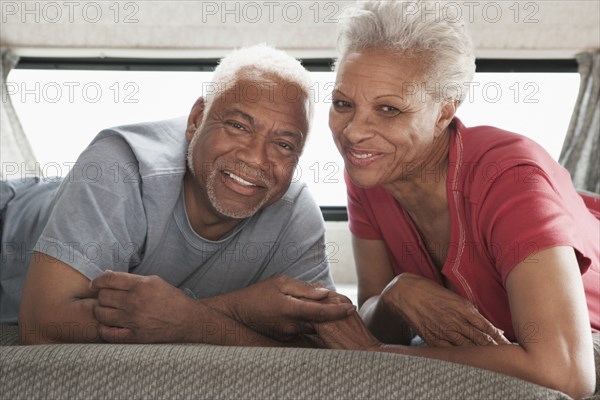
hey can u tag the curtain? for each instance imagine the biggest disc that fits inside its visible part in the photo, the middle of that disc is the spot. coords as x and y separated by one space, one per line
580 153
16 155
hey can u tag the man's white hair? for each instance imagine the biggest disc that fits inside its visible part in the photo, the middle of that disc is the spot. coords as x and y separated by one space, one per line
259 62
406 27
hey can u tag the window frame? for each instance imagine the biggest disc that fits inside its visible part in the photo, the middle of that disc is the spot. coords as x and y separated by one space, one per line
330 213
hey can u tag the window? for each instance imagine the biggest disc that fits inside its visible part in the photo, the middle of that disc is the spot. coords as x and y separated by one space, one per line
537 105
63 109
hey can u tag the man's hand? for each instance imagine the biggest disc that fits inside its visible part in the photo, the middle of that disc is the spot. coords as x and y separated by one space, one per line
282 307
439 316
140 309
349 333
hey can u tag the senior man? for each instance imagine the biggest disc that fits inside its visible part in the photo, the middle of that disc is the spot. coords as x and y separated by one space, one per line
178 231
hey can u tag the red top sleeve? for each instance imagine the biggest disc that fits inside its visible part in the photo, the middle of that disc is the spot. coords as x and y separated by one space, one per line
523 213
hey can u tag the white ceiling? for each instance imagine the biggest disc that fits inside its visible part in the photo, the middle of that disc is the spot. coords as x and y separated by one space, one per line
521 29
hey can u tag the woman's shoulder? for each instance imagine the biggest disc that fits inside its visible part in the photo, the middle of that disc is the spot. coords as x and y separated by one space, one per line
480 155
493 148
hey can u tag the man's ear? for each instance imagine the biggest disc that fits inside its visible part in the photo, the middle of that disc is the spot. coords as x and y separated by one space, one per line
194 118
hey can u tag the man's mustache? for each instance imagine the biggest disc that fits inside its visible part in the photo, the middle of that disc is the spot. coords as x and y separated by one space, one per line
252 172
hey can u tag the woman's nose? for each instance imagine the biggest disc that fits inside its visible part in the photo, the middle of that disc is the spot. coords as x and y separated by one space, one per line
358 128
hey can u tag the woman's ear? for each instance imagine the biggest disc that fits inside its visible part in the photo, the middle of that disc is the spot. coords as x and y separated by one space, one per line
447 112
194 118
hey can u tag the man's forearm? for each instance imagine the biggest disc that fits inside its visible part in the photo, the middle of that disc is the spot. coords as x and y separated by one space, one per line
56 304
209 324
146 309
75 325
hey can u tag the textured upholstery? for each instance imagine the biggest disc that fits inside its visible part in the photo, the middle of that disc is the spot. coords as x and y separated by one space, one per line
89 371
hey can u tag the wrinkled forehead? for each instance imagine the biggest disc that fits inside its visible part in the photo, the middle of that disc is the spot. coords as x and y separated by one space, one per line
254 84
268 90
380 70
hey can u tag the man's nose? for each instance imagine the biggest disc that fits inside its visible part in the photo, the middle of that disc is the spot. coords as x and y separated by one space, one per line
254 153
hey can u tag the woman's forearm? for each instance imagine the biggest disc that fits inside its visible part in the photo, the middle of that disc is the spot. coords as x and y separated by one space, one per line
385 326
548 370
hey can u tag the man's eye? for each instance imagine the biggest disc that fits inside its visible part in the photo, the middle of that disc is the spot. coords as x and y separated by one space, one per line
286 146
236 125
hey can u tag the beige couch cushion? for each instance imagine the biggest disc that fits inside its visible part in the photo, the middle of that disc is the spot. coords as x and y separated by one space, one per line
84 371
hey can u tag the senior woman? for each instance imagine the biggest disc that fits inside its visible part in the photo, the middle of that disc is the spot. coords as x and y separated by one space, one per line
464 236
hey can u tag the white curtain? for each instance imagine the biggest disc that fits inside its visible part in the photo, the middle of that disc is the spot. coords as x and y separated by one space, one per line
16 155
580 154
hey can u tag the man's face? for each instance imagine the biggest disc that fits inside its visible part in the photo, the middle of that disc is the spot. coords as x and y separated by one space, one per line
245 152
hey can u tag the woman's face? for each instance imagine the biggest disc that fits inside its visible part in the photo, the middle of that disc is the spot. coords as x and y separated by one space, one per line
385 119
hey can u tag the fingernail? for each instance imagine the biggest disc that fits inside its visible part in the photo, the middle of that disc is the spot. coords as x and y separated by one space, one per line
322 289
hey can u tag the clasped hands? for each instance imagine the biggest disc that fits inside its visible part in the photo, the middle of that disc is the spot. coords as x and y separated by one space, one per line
146 309
439 316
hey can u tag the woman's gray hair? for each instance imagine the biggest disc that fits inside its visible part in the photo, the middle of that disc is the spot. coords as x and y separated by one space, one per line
414 28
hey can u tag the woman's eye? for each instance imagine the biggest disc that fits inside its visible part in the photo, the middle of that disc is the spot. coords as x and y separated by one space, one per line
389 109
340 104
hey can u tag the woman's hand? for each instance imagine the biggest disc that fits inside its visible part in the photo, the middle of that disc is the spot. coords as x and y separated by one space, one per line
439 316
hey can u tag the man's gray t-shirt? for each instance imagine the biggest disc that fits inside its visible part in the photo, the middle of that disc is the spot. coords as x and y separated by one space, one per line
122 207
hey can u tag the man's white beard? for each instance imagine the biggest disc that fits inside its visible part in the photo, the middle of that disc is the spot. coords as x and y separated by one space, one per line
221 209
210 187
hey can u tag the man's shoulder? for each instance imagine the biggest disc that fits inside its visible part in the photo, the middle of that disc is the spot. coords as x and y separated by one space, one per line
168 129
297 205
159 147
298 196
297 191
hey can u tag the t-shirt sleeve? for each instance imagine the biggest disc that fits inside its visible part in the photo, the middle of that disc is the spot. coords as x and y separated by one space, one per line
97 220
301 249
360 217
521 214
